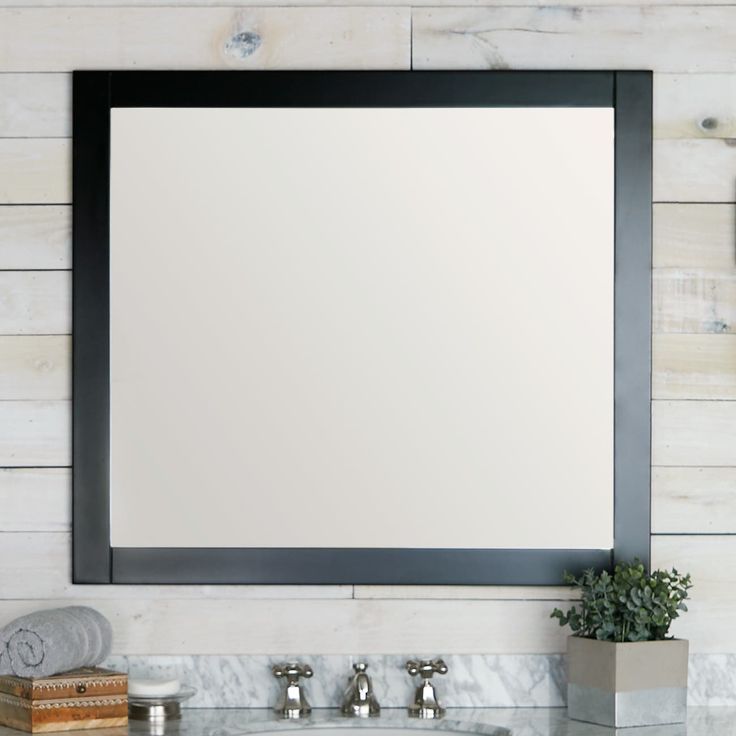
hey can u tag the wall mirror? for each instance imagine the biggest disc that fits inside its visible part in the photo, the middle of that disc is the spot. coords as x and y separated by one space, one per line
360 327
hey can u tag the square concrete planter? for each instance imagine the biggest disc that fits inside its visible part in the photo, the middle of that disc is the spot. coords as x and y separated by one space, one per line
629 684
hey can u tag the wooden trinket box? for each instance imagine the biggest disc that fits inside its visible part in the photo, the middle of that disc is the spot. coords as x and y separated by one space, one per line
91 697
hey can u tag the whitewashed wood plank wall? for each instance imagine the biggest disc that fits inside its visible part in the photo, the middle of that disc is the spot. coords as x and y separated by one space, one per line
692 48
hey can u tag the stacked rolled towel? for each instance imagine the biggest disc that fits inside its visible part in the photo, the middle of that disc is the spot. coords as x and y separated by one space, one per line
48 642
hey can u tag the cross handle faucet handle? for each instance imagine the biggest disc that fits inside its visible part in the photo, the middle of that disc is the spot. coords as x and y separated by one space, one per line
426 667
292 671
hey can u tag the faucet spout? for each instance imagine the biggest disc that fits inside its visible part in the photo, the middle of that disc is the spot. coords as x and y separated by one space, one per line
359 700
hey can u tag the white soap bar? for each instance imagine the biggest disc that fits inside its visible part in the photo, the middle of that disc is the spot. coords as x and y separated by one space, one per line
153 688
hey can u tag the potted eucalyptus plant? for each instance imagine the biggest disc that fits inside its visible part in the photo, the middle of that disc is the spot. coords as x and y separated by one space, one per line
623 668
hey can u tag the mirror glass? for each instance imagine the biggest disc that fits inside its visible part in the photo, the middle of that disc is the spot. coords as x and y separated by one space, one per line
354 327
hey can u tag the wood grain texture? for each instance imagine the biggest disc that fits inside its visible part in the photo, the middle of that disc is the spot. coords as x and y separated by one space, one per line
55 39
35 433
685 170
694 367
694 433
694 501
575 38
35 500
35 105
694 249
35 237
119 721
685 105
35 171
695 106
35 303
690 301
45 561
465 592
690 170
38 170
35 367
695 236
227 626
711 560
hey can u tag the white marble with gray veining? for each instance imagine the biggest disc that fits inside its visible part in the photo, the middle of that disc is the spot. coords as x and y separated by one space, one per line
701 721
712 679
473 681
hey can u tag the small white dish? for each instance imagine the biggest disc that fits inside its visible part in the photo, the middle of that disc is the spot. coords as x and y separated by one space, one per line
146 688
158 707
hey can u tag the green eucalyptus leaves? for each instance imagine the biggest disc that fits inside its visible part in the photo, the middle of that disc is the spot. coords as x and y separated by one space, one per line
628 605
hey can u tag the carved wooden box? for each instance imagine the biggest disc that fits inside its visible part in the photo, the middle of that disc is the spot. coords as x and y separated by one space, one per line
86 698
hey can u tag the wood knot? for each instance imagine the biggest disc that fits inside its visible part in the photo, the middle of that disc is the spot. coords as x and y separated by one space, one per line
709 123
717 325
243 44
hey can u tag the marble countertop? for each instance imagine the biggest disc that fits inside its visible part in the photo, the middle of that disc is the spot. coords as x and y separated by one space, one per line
702 721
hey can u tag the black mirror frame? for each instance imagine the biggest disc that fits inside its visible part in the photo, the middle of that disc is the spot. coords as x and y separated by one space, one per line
96 92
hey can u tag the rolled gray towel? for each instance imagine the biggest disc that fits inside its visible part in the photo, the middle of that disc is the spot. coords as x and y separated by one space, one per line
99 631
48 642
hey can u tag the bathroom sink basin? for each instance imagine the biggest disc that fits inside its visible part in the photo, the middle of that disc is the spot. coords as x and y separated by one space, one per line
262 722
389 724
392 730
388 730
375 727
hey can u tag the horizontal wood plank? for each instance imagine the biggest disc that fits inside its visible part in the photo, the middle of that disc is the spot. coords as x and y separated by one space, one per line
695 106
465 592
39 170
35 302
694 433
694 301
694 501
712 563
694 367
222 626
696 236
46 558
35 105
688 170
710 560
35 170
708 626
37 500
35 367
685 105
62 39
556 37
35 433
35 237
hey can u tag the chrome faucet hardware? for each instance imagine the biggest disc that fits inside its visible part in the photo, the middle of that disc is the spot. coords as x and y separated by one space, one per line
425 703
359 700
293 703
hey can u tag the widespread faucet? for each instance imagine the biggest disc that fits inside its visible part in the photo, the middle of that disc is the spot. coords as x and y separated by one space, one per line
425 703
359 700
293 703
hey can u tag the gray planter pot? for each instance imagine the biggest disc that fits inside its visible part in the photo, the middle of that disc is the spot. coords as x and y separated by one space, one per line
629 684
